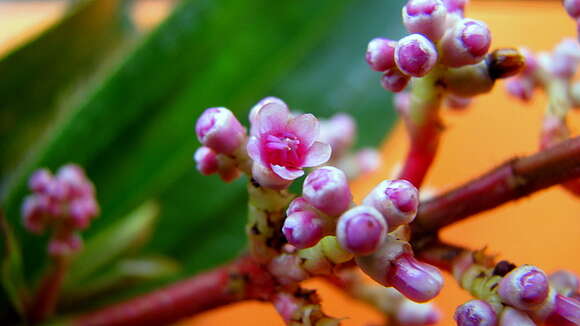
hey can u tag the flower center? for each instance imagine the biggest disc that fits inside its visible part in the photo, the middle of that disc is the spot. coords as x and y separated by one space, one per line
283 149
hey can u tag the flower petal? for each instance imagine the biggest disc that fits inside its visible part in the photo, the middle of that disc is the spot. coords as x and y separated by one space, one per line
318 154
273 116
253 149
306 127
287 173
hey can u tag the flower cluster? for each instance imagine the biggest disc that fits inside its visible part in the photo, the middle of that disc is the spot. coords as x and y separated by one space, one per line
441 35
523 296
65 203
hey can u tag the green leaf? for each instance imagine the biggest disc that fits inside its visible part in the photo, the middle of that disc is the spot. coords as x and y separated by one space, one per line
118 238
44 78
11 266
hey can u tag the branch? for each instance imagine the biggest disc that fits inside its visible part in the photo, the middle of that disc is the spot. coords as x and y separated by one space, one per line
243 279
47 295
512 180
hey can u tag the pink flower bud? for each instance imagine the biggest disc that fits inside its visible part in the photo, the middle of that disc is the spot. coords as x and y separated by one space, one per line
475 313
524 288
455 6
299 204
287 269
411 313
218 129
361 230
426 17
227 169
394 80
572 8
284 144
327 189
368 160
40 182
378 264
566 312
303 229
466 44
206 160
511 317
415 55
564 282
381 54
396 200
339 132
520 87
402 102
71 182
531 63
416 280
34 213
565 58
81 211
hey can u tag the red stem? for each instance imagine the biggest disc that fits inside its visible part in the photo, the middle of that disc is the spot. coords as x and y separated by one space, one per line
243 279
48 292
512 180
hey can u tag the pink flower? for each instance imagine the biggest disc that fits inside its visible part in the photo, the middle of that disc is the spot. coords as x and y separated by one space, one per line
281 145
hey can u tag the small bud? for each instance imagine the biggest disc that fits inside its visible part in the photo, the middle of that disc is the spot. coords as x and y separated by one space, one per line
530 62
411 313
303 229
206 160
339 132
426 17
572 8
415 55
378 264
524 288
416 280
81 212
34 211
521 88
466 44
564 282
380 54
566 312
565 58
511 317
475 313
468 81
504 63
394 80
368 160
361 230
40 181
402 102
287 269
227 169
299 204
333 251
71 183
457 103
327 189
218 129
396 200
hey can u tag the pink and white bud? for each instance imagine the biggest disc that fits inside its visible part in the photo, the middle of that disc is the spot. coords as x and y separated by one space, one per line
34 213
565 312
361 230
70 182
411 313
82 211
380 54
455 6
511 317
457 103
206 160
394 80
287 269
402 102
475 313
520 87
368 160
416 280
339 132
531 63
327 189
303 229
415 55
572 8
565 58
378 264
425 17
254 110
218 129
396 200
64 243
564 282
524 288
284 144
227 168
466 44
40 182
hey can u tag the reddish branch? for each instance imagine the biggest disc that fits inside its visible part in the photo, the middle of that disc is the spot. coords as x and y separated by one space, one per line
48 292
243 279
512 180
424 145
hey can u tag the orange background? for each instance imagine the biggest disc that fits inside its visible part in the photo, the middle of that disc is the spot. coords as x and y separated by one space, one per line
543 230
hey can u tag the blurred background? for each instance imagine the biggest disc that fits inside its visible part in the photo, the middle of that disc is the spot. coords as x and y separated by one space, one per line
116 86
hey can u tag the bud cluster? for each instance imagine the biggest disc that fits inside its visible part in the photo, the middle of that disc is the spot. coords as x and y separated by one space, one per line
64 203
516 296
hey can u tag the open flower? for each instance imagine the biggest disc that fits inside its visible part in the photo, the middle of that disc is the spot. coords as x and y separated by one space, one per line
281 145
